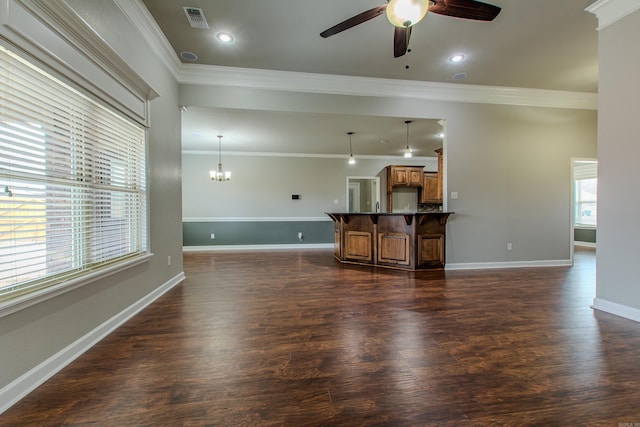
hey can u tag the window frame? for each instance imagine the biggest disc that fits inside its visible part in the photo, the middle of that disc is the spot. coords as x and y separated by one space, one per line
582 169
577 203
29 298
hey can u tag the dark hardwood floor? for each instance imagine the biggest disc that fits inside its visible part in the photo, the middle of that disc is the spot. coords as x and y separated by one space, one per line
293 338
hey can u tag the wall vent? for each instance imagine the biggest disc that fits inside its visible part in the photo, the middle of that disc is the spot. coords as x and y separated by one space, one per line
196 18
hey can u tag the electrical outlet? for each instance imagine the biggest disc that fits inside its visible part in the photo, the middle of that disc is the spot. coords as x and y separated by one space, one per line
509 246
169 260
300 236
213 235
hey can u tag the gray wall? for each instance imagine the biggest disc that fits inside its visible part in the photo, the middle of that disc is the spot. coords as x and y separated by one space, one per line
255 207
30 336
618 287
511 167
261 186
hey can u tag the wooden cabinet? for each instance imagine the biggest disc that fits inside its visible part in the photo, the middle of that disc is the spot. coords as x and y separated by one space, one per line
431 188
430 250
337 240
394 248
432 184
413 241
358 245
402 176
405 176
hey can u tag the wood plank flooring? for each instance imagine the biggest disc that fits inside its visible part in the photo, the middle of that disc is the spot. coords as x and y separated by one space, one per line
293 338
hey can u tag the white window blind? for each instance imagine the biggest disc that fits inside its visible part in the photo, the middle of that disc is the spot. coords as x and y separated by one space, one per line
72 182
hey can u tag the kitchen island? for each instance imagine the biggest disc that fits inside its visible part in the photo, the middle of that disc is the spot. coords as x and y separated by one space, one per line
407 241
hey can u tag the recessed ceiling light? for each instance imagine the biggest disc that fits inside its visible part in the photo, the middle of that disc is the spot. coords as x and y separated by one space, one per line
188 56
458 57
459 76
224 37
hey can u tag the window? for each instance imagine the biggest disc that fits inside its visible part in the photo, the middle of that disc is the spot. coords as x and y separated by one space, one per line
72 182
586 193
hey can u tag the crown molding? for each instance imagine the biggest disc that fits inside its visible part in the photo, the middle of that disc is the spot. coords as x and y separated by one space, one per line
610 11
305 155
141 18
196 74
369 86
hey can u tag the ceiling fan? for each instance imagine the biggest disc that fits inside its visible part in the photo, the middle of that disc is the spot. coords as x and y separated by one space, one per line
403 14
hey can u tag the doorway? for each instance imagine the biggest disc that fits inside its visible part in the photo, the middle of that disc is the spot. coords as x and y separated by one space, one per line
584 203
363 194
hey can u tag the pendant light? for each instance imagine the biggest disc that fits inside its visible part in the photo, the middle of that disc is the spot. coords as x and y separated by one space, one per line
219 175
352 160
407 150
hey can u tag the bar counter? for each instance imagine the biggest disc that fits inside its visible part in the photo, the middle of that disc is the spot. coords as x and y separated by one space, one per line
407 241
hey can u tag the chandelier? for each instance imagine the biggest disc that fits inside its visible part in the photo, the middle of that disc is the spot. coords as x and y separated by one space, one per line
219 175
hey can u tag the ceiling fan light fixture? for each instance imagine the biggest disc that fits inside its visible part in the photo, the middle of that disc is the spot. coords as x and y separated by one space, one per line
406 13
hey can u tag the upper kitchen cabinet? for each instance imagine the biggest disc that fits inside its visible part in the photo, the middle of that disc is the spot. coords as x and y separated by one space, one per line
405 176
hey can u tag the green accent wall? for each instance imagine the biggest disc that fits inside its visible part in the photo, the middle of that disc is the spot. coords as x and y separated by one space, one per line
587 235
256 232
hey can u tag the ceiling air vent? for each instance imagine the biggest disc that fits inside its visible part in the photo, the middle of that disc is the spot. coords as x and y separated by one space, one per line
196 18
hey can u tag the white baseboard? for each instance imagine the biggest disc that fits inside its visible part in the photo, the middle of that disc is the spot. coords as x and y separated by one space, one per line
508 264
454 266
26 383
256 247
617 309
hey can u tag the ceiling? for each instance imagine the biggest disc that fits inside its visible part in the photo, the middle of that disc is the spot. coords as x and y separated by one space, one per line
305 133
541 44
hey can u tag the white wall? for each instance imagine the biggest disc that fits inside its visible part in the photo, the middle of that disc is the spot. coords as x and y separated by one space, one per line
35 340
511 166
618 282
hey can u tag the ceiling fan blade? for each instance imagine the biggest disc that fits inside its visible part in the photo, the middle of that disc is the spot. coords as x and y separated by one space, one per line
467 9
401 36
353 21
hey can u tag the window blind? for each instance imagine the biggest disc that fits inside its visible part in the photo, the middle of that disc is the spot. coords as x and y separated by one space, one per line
585 175
72 182
585 170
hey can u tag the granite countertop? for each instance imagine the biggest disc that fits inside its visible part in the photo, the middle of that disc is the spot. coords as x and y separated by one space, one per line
386 213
